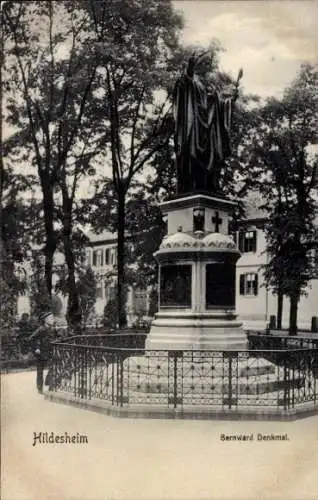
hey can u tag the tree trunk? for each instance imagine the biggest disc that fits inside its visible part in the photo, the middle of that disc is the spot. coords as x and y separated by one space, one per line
49 251
50 235
73 307
293 313
280 300
121 296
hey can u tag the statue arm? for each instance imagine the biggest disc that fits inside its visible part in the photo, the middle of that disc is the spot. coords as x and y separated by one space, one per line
237 84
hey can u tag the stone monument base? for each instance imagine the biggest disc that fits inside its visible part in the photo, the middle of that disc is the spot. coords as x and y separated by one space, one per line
204 378
175 330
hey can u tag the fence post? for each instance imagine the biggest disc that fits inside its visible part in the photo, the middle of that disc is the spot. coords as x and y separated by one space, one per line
120 380
314 324
113 376
230 380
314 368
173 398
89 370
52 368
76 367
272 322
81 367
175 379
286 387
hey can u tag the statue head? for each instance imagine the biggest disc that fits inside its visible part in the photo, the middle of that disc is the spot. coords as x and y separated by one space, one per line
196 59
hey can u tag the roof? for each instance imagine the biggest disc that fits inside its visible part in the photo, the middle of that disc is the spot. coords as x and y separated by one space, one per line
252 204
98 238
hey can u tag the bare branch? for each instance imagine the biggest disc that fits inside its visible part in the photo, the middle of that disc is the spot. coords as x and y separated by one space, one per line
145 143
51 47
133 133
27 97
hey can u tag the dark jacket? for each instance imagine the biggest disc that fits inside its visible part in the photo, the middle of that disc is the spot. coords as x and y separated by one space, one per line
41 345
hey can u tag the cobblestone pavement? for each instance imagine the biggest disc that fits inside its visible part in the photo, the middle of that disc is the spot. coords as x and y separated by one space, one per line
147 459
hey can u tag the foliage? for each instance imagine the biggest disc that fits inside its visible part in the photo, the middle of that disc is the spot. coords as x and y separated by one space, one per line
285 170
40 301
56 305
146 230
86 286
110 317
14 221
48 97
153 302
135 65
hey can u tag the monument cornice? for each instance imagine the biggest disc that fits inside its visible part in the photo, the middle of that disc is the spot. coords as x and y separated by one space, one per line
208 255
197 200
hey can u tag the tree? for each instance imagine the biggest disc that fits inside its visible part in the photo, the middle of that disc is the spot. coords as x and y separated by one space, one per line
286 169
56 305
53 73
40 300
86 286
14 244
138 39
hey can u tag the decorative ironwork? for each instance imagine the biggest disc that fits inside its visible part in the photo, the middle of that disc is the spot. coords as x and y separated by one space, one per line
228 380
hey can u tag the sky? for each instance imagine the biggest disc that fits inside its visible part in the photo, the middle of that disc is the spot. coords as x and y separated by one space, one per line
268 38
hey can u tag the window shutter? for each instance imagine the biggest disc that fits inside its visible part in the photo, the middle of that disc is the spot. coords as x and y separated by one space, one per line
101 258
242 280
241 235
254 240
256 284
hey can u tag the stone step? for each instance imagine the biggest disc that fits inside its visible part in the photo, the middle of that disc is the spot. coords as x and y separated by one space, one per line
216 387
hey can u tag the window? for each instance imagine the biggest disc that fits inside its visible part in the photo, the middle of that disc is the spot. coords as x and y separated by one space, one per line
314 260
99 292
249 284
113 257
94 257
130 250
99 259
106 256
88 257
23 281
110 292
247 241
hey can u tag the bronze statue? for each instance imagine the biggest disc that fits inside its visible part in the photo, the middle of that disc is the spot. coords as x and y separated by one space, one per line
202 131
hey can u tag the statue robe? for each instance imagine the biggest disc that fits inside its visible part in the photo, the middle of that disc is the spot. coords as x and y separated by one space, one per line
202 135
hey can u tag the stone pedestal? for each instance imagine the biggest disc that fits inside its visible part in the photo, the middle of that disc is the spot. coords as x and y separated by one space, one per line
197 261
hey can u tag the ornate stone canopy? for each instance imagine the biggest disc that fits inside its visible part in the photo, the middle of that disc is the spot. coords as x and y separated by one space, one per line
197 241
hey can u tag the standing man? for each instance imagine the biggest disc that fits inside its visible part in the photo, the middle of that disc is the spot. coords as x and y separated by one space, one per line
42 337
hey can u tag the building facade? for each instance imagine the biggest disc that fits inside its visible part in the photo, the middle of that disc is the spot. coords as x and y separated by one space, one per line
101 256
254 303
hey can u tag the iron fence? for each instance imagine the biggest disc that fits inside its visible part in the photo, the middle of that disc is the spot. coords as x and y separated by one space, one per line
259 340
283 379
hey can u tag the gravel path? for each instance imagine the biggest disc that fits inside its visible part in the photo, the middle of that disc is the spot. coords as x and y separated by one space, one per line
147 459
